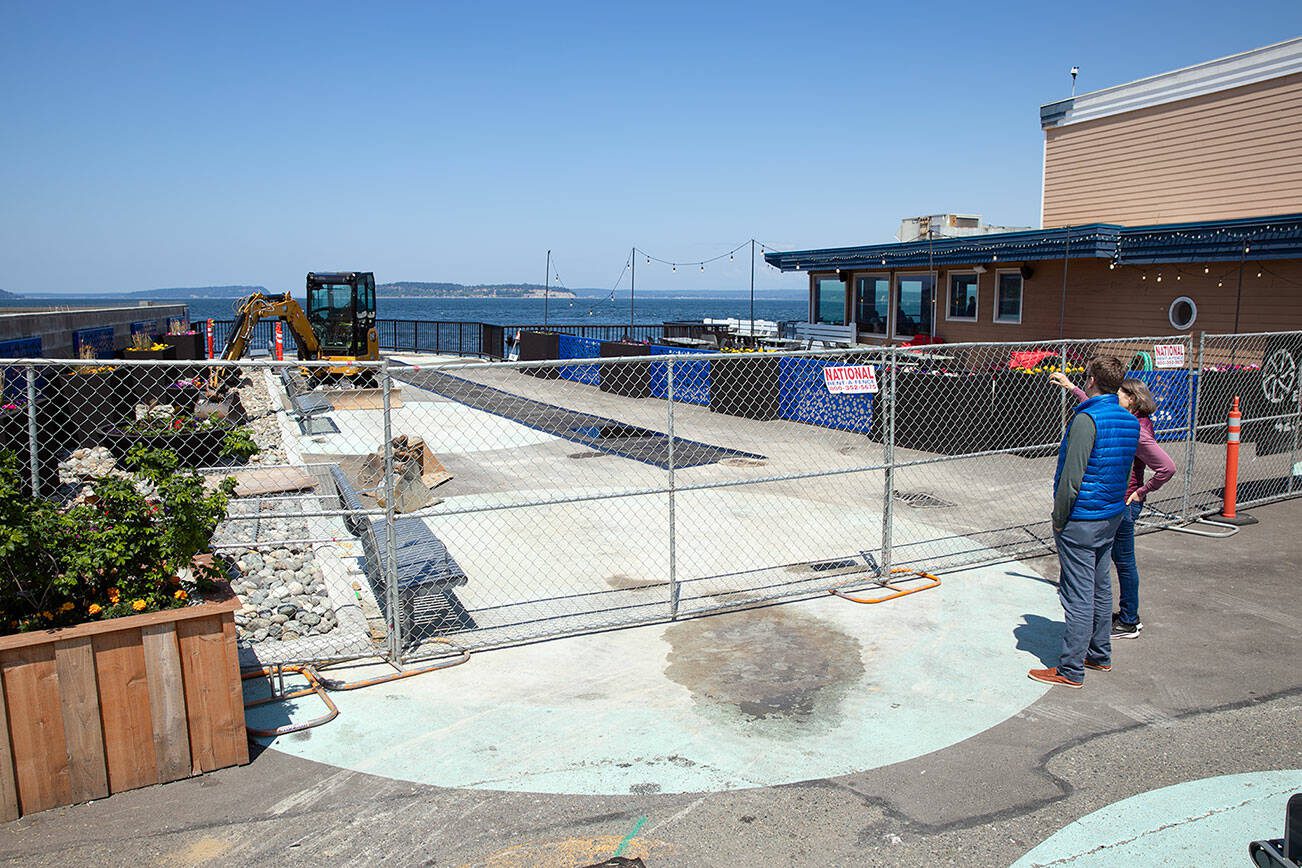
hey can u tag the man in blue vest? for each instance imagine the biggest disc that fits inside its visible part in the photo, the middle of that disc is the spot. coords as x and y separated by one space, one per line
1089 497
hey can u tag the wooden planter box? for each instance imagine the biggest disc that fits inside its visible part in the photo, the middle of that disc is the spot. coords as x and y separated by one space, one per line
187 346
746 387
87 403
539 347
194 448
14 437
632 380
948 415
110 706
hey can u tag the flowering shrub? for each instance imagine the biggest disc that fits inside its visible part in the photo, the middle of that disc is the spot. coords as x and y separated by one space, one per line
119 551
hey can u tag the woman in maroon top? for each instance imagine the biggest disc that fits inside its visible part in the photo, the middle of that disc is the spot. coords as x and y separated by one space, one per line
1136 398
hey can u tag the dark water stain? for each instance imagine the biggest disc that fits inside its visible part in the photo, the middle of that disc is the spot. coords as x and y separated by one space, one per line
767 664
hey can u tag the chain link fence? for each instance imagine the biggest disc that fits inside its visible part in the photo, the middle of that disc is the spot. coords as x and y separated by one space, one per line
484 504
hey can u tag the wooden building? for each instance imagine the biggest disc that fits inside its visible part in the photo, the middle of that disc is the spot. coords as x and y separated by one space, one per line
1170 204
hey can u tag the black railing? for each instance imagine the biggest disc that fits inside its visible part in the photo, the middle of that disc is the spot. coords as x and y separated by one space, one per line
486 340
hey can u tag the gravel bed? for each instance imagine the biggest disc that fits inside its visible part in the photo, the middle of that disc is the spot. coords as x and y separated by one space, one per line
263 417
284 595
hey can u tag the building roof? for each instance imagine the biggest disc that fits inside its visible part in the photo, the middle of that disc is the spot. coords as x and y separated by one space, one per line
1249 67
1208 241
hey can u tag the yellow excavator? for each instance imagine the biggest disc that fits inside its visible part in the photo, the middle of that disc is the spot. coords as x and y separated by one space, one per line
338 326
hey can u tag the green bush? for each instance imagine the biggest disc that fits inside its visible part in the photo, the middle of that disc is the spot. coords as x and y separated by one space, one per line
116 553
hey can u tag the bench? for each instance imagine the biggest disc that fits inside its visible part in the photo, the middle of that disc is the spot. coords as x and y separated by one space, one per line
426 572
827 335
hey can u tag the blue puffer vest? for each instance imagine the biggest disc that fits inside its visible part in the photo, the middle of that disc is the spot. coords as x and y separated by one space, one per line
1103 490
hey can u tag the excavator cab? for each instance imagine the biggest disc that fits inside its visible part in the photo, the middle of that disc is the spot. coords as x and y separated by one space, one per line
341 312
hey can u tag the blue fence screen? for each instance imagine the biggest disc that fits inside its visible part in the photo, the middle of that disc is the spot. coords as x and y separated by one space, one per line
803 397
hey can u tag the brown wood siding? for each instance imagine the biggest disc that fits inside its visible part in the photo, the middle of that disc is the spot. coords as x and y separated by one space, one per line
1130 301
1235 153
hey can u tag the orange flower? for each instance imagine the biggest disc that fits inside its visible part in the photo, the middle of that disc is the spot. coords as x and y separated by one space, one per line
138 605
67 607
181 595
46 615
95 609
113 596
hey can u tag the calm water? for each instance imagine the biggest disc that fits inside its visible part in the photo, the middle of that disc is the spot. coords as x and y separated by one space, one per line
509 310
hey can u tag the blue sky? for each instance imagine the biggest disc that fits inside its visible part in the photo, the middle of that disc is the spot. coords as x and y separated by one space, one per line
187 144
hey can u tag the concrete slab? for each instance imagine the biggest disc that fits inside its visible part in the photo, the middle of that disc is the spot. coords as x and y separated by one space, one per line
749 699
1206 822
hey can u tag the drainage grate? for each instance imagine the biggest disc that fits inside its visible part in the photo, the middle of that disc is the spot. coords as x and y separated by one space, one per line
831 565
921 500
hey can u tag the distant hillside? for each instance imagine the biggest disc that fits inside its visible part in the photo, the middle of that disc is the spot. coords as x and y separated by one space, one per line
5 294
182 292
417 289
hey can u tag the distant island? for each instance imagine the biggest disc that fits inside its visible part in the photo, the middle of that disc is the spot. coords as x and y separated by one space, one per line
183 292
6 294
399 289
416 289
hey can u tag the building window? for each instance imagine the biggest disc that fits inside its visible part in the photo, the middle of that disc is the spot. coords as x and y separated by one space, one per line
1182 313
962 297
914 299
873 292
829 301
1008 297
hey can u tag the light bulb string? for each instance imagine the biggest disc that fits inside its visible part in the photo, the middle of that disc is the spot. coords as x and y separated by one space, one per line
701 263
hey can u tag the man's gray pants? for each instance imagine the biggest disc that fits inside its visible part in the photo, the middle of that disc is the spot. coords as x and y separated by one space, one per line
1085 589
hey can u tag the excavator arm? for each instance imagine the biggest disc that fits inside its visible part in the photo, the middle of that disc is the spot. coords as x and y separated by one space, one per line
259 306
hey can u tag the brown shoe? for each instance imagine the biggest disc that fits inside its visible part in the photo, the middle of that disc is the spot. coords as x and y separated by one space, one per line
1100 667
1051 676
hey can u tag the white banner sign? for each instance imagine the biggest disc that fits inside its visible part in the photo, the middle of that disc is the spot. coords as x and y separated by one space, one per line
851 379
1168 356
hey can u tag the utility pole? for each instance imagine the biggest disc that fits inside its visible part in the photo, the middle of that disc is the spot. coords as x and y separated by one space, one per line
632 289
547 286
752 290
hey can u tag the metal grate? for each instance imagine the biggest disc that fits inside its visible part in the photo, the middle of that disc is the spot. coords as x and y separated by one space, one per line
921 500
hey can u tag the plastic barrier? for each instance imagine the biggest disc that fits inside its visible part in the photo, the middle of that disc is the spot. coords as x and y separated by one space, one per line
571 347
691 379
1171 392
803 397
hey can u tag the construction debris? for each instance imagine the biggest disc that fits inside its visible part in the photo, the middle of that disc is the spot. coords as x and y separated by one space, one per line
416 472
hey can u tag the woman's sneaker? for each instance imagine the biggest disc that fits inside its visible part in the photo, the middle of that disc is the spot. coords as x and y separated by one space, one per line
1122 630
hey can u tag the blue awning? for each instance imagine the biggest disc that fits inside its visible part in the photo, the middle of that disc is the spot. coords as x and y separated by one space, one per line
1209 241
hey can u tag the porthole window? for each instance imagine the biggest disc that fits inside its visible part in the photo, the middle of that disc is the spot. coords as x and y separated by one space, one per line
1182 313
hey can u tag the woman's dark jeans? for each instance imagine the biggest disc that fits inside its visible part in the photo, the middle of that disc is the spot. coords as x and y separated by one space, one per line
1123 555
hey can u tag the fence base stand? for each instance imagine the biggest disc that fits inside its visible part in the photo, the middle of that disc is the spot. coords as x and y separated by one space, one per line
889 583
445 663
281 695
1238 520
1226 531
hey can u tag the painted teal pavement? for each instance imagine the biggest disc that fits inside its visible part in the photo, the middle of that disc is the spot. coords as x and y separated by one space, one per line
1199 823
789 693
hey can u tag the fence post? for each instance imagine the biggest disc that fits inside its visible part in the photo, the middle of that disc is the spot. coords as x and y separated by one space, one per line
888 443
1062 397
1190 453
390 559
32 449
673 526
1297 434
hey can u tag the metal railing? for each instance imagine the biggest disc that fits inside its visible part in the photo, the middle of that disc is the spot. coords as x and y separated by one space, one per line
495 504
451 337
